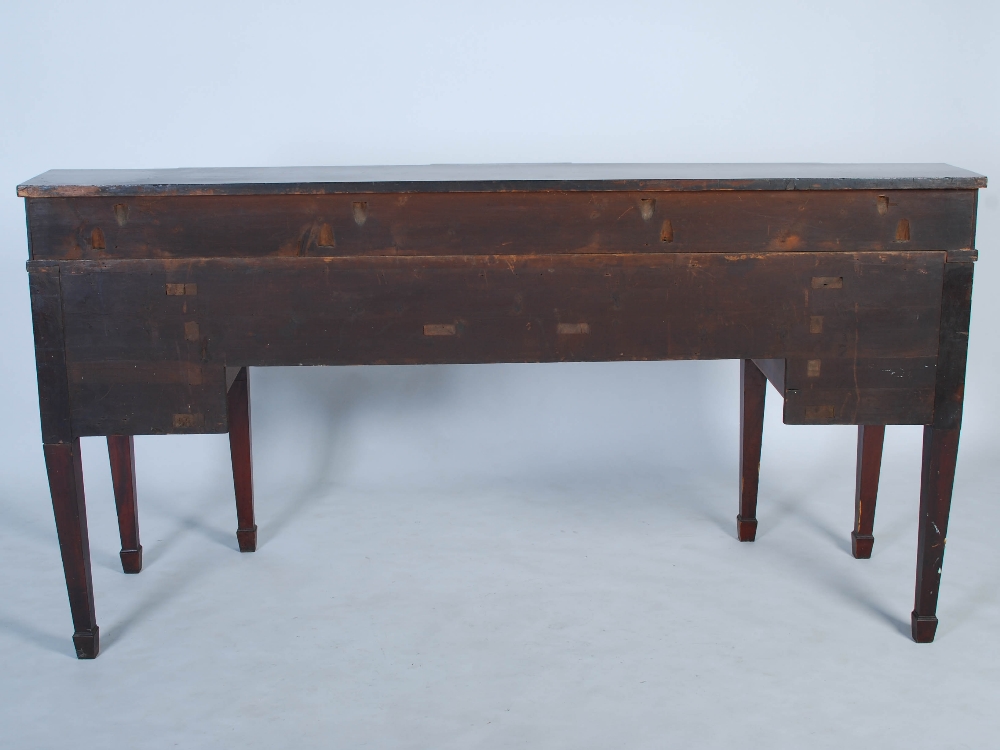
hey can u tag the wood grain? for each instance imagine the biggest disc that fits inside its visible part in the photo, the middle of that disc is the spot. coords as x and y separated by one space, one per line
502 223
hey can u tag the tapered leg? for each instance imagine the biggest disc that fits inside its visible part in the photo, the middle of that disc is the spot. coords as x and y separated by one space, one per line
122 454
870 439
239 447
62 461
753 387
936 481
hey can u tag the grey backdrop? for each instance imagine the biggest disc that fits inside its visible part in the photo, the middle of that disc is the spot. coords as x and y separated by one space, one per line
507 555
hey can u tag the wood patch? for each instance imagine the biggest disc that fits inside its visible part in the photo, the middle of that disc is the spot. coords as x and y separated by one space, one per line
666 231
815 324
325 238
646 208
360 211
121 213
440 329
97 239
820 413
191 332
827 282
570 329
181 290
188 421
903 231
813 368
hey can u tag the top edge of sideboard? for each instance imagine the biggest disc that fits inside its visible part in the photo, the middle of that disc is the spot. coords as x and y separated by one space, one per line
478 178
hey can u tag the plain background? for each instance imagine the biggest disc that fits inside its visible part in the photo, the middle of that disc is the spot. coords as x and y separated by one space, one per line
510 555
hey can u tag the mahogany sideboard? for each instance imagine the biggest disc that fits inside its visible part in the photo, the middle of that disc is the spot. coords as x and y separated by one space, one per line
848 287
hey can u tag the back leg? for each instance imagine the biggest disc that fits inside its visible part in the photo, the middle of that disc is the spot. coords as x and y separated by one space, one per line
753 388
122 454
870 439
240 450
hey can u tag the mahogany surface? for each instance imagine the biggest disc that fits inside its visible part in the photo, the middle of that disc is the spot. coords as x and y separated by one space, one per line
848 287
753 389
121 451
870 440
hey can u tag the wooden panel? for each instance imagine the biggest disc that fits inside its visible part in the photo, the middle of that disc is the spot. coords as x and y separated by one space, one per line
504 309
113 398
501 223
956 310
50 352
774 371
861 391
135 367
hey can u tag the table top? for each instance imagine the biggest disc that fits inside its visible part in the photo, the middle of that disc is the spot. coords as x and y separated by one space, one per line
438 178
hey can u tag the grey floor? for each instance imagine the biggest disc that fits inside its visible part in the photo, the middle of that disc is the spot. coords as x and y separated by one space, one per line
521 555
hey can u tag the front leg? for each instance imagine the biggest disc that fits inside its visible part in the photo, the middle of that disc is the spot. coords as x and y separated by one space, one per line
936 481
941 447
62 461
62 452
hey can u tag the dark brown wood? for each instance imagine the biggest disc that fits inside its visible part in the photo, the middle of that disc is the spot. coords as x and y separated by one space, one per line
831 390
62 460
50 351
501 223
478 178
121 451
753 389
936 481
956 309
849 286
870 440
240 448
940 452
774 371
